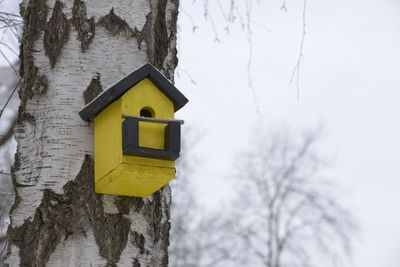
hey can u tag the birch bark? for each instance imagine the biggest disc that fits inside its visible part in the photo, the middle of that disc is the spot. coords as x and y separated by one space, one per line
71 49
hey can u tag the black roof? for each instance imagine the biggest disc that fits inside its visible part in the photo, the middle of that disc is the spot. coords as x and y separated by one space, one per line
118 89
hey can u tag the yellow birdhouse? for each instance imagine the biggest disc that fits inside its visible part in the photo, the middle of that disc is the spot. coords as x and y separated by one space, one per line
136 138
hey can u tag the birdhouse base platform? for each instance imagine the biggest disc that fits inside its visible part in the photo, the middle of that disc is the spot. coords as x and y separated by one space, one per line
134 180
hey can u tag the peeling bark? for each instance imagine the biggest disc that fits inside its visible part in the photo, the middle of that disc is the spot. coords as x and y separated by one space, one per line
56 33
138 240
34 22
40 85
116 25
85 27
24 116
171 59
159 34
154 33
93 90
156 212
74 212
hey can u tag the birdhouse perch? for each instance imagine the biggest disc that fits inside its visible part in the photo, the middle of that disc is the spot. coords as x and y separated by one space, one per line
136 138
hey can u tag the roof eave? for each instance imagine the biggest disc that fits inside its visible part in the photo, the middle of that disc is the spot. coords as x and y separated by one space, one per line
90 111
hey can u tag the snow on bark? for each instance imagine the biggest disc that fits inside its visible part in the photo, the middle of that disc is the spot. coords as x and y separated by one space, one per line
57 220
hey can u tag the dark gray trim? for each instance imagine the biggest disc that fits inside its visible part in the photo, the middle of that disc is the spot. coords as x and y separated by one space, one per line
150 153
172 138
118 89
130 141
130 136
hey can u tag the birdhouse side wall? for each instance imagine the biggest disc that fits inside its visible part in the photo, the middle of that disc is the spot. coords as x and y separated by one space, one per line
107 139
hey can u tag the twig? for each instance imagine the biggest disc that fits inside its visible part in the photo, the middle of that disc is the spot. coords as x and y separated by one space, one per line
11 22
192 80
9 98
224 16
6 193
216 39
10 48
9 63
9 133
194 26
10 14
283 6
250 61
5 246
242 23
205 6
260 25
296 69
207 17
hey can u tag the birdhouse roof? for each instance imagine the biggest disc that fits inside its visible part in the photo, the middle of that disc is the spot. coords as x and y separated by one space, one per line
117 90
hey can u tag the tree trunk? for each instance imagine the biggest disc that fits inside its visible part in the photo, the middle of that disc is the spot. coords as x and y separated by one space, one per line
70 51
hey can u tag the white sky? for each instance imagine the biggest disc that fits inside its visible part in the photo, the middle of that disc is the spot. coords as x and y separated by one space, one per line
350 81
350 84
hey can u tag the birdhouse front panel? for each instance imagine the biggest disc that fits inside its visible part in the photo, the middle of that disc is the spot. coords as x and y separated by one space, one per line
136 137
146 100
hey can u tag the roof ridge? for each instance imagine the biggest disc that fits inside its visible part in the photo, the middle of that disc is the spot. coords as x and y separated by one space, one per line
115 91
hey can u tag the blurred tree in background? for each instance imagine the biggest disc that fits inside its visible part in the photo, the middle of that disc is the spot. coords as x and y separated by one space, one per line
284 212
287 212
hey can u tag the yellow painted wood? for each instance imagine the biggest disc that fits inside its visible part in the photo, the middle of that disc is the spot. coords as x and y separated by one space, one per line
107 139
146 94
129 175
151 135
134 180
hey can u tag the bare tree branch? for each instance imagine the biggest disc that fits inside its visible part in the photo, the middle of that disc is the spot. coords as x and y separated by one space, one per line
9 97
9 62
9 132
10 48
296 69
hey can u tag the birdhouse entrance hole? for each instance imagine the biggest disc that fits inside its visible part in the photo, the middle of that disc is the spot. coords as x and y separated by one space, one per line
147 112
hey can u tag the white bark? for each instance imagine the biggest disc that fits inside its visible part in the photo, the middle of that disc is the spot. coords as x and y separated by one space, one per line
53 141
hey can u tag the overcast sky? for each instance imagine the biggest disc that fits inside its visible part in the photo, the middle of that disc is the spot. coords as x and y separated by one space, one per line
349 83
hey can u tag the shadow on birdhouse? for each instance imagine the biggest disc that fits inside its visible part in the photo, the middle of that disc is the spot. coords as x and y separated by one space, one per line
136 138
